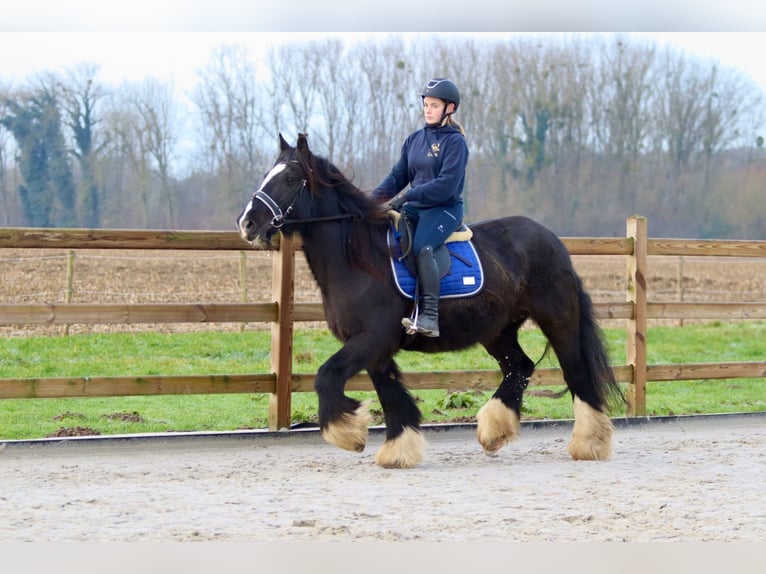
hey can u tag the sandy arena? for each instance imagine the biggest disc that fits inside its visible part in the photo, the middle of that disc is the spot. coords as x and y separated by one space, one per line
678 479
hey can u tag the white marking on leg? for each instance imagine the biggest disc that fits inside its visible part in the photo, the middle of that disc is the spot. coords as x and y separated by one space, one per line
350 431
497 426
405 451
592 434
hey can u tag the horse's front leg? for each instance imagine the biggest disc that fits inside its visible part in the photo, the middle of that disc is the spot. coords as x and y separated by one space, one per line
404 446
343 421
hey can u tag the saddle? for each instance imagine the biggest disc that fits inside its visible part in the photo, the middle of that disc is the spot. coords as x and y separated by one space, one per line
458 262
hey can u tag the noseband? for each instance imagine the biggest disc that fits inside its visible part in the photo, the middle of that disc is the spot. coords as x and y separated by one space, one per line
279 218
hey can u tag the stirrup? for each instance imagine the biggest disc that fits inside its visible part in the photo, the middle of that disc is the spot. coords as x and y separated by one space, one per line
411 328
410 323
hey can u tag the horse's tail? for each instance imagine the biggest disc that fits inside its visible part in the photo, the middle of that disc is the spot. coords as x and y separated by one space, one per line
594 352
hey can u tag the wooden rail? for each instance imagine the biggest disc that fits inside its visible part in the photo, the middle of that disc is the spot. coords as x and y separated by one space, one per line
480 379
283 312
119 239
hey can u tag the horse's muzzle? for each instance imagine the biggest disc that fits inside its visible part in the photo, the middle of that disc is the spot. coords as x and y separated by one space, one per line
268 240
247 230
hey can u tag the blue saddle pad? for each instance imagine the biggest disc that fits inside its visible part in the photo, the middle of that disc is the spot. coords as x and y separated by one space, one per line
465 277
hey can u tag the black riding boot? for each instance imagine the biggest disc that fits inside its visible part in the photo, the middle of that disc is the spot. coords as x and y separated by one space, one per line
428 281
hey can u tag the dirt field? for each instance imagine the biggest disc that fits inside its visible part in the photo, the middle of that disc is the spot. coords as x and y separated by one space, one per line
104 276
685 479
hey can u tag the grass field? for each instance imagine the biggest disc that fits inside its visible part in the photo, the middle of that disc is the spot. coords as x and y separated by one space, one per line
104 276
113 354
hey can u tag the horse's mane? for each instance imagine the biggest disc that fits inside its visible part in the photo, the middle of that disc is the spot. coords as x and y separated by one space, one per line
363 232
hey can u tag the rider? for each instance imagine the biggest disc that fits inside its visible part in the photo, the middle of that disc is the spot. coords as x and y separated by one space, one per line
433 162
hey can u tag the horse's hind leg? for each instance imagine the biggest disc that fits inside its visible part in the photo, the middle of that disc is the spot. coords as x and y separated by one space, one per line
498 420
583 361
592 433
404 445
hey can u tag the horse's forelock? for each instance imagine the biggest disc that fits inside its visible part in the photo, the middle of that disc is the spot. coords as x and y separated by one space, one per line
321 172
309 165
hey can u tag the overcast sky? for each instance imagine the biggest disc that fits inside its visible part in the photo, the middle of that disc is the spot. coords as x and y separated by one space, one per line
170 39
175 56
402 15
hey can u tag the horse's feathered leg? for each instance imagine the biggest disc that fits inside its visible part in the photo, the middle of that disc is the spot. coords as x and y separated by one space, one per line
577 341
592 433
404 445
498 420
344 421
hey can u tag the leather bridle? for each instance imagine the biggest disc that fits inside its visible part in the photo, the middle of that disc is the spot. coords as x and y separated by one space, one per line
279 218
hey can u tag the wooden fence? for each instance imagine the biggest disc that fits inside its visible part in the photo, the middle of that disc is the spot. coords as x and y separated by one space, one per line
283 312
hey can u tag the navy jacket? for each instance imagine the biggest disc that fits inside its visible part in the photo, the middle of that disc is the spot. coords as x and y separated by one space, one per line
433 163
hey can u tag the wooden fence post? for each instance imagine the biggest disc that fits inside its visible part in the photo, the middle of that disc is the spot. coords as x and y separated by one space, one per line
680 285
242 282
283 291
69 285
636 327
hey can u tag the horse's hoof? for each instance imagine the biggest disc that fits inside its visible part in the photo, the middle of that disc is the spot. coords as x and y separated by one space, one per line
592 434
405 451
492 448
497 426
349 432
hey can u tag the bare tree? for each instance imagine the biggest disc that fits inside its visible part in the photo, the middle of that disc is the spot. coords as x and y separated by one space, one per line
574 131
620 100
338 103
297 71
115 164
152 104
129 147
227 101
693 121
390 92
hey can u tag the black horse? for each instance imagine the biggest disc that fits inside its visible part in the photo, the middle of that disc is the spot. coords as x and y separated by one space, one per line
528 275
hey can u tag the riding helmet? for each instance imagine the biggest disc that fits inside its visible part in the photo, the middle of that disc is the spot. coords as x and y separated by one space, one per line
443 89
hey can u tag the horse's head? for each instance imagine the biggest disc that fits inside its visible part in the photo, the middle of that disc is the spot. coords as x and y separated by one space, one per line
279 195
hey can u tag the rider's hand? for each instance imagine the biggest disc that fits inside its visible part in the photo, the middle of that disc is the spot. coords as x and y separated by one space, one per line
398 201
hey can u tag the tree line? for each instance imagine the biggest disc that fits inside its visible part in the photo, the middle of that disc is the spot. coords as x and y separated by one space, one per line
577 132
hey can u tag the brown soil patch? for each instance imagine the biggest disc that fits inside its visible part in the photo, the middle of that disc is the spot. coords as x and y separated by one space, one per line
137 276
133 417
73 431
68 415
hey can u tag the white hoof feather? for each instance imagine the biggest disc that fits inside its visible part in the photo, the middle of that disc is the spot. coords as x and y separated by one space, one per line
405 451
350 431
592 434
497 426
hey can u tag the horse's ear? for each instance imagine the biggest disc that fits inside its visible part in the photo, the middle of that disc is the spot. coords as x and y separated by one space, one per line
283 145
303 143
